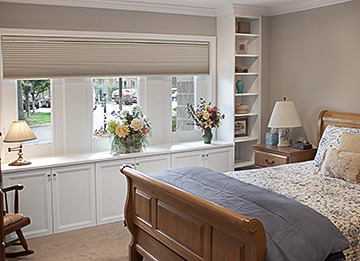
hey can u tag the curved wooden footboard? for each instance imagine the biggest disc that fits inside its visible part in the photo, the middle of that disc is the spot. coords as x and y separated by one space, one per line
169 224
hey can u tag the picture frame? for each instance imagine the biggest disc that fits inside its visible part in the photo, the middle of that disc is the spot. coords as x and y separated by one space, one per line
241 127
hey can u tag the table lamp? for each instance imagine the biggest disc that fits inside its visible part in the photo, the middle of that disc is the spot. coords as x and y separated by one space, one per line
284 117
19 132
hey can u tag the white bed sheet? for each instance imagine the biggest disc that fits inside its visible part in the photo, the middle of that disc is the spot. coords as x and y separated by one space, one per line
336 199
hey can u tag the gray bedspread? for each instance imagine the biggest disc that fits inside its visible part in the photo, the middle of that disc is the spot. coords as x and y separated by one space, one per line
293 230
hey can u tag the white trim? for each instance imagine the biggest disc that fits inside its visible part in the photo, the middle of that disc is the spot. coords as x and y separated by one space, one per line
243 11
124 5
303 5
64 33
234 9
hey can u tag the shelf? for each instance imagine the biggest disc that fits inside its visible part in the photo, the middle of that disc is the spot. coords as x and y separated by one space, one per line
247 35
246 115
245 139
246 55
246 94
247 74
242 164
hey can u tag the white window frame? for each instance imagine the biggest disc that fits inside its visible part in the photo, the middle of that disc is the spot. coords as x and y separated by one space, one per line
61 135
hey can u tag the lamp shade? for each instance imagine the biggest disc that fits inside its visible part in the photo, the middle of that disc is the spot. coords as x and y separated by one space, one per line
19 131
284 115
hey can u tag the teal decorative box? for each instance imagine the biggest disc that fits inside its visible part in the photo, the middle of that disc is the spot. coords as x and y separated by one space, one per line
272 138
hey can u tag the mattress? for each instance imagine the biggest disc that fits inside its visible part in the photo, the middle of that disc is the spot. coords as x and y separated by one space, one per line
336 199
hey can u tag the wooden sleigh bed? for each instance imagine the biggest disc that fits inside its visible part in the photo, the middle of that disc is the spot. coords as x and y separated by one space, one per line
167 223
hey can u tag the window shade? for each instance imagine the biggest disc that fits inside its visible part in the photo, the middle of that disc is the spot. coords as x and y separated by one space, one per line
26 57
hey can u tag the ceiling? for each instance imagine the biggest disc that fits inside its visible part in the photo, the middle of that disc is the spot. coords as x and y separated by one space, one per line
193 7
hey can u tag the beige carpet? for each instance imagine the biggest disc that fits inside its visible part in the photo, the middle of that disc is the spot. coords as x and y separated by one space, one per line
106 242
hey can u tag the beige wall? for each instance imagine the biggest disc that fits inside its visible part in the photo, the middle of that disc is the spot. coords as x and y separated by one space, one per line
265 75
315 62
104 20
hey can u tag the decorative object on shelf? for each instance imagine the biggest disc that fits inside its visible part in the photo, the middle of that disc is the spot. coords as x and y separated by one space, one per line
19 132
205 118
241 127
284 117
207 136
241 69
272 138
129 131
243 45
240 86
242 109
244 27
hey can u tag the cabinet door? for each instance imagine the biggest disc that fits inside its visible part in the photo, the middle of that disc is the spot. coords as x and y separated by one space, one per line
220 159
73 197
153 163
111 191
35 199
190 158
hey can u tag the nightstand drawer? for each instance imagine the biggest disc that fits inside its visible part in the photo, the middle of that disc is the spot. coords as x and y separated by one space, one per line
268 160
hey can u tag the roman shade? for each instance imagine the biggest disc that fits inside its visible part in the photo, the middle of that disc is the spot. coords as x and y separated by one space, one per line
31 57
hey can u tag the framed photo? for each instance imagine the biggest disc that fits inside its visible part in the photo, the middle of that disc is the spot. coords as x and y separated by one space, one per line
241 127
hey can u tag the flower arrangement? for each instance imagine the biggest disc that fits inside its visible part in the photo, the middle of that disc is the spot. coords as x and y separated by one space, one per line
205 117
129 130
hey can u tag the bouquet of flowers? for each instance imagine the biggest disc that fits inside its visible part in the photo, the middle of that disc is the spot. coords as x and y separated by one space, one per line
204 116
129 130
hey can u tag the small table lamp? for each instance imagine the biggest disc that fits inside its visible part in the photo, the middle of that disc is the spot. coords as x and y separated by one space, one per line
284 117
19 132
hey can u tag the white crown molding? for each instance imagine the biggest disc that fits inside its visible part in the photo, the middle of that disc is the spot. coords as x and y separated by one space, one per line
242 10
124 5
302 6
234 9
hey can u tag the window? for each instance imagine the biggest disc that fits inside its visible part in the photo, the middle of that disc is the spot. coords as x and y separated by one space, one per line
186 90
75 102
34 106
107 98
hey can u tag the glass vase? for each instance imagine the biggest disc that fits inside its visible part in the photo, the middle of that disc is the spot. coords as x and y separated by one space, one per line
207 136
130 145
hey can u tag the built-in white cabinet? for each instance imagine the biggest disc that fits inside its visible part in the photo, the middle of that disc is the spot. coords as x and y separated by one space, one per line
111 184
110 191
57 199
35 199
73 190
220 159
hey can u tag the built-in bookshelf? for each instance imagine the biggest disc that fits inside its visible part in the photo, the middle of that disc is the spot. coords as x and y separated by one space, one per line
230 59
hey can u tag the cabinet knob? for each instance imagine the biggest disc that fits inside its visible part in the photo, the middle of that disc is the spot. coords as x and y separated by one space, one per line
48 175
54 175
202 155
268 162
207 155
132 164
137 163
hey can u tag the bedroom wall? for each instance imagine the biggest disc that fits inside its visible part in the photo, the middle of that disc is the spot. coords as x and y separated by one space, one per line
27 16
315 62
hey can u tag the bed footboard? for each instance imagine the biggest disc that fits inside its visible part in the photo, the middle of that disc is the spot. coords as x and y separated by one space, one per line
169 224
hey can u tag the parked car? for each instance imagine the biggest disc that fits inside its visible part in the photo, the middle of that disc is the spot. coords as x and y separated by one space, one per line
129 96
115 95
37 104
46 101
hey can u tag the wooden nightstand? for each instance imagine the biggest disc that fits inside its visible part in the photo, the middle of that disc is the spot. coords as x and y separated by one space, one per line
272 155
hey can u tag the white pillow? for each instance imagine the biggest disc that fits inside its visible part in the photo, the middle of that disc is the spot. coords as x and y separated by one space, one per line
330 138
341 165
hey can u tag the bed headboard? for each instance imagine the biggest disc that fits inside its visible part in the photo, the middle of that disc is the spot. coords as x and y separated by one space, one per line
339 119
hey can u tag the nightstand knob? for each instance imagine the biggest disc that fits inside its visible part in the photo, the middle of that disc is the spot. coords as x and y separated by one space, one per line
268 162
